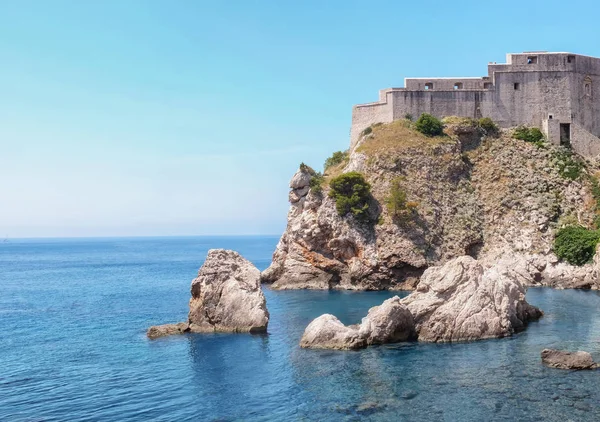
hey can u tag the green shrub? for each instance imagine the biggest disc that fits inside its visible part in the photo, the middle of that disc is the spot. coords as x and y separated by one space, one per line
488 125
307 169
429 125
533 134
576 244
316 183
408 117
335 159
352 194
367 131
569 166
396 201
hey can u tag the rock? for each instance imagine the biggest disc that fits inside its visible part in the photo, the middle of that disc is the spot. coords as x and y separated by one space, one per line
157 331
561 359
226 297
387 323
327 332
301 179
459 301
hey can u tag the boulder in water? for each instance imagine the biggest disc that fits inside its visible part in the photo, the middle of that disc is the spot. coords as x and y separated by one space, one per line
561 359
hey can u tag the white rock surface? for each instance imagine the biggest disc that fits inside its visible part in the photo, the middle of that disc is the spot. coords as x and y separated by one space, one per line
460 301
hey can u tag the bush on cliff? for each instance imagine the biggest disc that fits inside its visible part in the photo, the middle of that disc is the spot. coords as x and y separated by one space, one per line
529 134
429 125
336 158
569 165
397 203
576 244
316 182
352 194
488 125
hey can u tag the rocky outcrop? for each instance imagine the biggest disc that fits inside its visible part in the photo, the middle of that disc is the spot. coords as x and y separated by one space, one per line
460 301
487 197
561 359
389 322
226 297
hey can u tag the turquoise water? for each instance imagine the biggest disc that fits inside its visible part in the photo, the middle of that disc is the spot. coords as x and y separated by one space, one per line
73 347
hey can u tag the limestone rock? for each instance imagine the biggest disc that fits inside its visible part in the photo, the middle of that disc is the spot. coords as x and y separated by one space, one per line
460 301
157 331
226 295
561 359
389 322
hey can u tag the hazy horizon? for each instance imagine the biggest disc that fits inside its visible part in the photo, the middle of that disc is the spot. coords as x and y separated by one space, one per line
153 118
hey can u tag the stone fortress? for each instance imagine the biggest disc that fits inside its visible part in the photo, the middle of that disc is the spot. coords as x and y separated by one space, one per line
557 92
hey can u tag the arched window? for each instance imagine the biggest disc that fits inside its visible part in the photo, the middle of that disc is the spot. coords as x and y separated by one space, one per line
588 89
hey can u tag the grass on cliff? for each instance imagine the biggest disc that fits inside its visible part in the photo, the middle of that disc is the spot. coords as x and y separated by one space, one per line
397 136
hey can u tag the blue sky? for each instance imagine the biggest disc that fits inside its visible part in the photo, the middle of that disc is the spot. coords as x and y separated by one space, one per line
190 117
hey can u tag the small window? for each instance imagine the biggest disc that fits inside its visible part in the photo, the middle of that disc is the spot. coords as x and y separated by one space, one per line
532 60
517 86
588 89
488 85
550 116
458 85
570 59
428 86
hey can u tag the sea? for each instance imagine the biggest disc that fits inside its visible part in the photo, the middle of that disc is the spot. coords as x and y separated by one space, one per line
73 347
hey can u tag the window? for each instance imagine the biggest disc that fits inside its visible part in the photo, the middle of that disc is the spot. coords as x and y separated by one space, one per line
570 59
458 85
588 89
532 60
488 85
550 116
517 86
428 86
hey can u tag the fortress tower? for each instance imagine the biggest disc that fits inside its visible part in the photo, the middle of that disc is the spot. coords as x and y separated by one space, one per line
557 92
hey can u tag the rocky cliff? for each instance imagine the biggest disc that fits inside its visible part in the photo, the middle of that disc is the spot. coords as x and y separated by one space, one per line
494 198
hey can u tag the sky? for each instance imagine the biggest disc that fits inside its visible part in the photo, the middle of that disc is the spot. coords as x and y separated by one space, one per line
189 117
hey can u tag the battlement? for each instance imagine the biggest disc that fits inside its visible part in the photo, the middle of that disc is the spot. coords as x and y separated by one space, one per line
558 92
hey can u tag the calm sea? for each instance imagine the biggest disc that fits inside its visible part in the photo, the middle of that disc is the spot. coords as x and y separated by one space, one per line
73 347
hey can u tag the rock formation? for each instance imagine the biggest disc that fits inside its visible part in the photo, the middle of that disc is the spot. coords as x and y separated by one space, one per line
562 359
460 301
483 196
389 322
226 297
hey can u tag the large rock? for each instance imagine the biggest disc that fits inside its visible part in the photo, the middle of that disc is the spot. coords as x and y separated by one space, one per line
226 297
561 359
389 322
459 301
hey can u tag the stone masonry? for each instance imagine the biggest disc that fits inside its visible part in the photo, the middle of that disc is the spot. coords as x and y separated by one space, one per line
557 92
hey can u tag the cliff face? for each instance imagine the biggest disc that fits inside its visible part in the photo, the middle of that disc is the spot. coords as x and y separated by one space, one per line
493 198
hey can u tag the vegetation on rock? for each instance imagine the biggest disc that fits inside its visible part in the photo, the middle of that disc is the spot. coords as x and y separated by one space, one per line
336 158
529 134
576 244
352 194
488 125
569 165
316 182
397 203
429 125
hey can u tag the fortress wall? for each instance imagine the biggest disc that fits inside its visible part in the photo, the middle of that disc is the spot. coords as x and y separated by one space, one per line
443 103
538 95
365 115
443 84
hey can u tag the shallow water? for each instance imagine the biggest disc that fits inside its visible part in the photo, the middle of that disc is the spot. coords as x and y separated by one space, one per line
73 347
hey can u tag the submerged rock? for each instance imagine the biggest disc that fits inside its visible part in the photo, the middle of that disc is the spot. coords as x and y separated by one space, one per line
387 323
561 359
459 301
157 331
226 297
